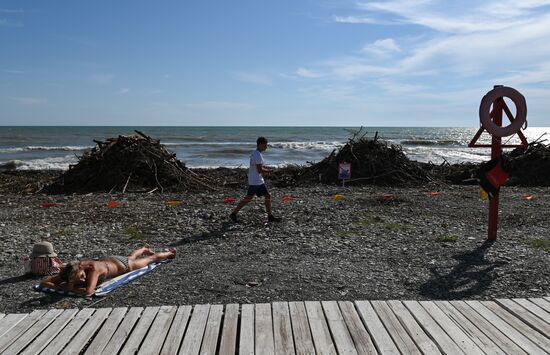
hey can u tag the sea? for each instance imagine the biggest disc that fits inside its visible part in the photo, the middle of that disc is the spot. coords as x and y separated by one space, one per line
37 148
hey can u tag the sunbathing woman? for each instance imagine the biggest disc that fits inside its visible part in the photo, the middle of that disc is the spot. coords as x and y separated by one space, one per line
83 276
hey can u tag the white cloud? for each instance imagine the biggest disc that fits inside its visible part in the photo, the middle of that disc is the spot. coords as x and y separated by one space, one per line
220 105
355 20
122 91
306 73
13 71
331 92
254 78
102 79
8 23
382 47
462 39
28 101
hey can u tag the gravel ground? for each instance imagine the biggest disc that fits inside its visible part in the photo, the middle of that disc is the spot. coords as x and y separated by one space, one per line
414 246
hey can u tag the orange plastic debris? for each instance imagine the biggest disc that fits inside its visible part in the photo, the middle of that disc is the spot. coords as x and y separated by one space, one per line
112 204
528 197
435 193
338 197
229 200
174 203
388 196
286 198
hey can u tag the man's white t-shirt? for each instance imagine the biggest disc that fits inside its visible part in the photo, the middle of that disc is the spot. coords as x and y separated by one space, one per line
255 178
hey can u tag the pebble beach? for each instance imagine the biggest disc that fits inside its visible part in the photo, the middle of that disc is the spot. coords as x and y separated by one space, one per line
427 242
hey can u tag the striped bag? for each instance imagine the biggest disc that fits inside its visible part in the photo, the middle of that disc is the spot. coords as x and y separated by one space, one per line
45 265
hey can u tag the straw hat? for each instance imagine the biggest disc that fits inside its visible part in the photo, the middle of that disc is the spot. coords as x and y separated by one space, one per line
42 249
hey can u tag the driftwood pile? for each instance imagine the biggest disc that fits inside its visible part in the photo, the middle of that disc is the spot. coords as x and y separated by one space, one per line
529 167
128 163
372 162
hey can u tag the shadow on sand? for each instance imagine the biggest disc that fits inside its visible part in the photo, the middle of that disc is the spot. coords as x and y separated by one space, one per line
215 233
15 279
470 277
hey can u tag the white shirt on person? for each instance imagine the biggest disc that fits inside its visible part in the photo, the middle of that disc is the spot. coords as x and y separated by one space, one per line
254 177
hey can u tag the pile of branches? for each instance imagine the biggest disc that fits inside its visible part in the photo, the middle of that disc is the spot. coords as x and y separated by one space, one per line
128 163
372 162
530 167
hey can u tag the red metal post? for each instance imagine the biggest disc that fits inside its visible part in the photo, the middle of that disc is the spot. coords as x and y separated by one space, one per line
496 152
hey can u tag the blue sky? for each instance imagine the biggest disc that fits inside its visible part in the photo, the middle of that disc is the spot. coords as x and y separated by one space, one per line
292 62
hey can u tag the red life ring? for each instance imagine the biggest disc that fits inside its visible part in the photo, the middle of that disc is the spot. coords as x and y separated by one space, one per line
485 114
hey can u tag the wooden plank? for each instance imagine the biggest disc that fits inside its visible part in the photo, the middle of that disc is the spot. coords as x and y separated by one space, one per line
246 341
50 332
140 330
381 338
338 328
65 336
507 329
421 339
193 337
18 329
361 338
212 330
152 344
396 330
263 326
431 327
107 330
526 315
30 335
124 329
228 342
542 303
319 328
499 338
469 328
536 310
11 321
539 339
303 341
455 332
282 329
177 330
84 334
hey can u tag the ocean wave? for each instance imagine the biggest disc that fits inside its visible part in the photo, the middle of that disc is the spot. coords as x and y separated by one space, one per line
319 145
428 142
306 145
56 163
31 148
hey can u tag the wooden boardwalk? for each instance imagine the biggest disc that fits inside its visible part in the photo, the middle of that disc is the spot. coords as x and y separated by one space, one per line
503 326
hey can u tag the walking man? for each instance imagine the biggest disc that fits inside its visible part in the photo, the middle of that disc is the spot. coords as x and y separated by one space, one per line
256 183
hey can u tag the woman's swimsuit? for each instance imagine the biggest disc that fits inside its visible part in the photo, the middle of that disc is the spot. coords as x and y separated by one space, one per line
122 259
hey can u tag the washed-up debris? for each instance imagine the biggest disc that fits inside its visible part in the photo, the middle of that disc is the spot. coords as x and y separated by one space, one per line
128 163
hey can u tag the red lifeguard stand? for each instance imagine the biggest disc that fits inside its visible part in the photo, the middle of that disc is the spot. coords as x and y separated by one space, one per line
490 115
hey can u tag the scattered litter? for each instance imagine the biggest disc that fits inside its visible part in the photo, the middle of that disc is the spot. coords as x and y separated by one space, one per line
229 200
435 193
50 204
286 198
338 197
112 204
528 197
174 203
388 196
